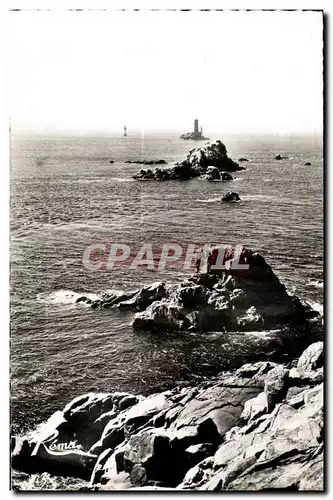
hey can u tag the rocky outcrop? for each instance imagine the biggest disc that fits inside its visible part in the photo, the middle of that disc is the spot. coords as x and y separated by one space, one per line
219 297
194 136
230 196
196 164
214 174
251 429
148 162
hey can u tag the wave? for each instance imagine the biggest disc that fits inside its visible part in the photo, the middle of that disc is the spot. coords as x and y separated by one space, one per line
316 306
316 283
63 297
210 200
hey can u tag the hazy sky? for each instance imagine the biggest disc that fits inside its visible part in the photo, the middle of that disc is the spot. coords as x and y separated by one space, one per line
235 71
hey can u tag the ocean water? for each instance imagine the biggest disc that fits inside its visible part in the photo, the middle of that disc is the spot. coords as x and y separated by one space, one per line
65 195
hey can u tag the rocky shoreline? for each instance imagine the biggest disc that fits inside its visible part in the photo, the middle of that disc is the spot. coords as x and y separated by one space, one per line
259 427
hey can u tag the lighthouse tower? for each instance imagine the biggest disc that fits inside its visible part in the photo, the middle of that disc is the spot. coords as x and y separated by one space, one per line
196 126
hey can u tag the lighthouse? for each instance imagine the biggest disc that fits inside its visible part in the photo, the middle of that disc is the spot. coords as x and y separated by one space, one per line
196 126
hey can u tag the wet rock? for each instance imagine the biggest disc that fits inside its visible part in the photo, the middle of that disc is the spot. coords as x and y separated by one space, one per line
243 159
231 196
252 429
307 164
279 157
84 300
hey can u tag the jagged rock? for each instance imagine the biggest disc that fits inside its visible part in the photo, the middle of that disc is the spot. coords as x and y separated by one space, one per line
196 164
276 386
219 435
225 176
230 196
312 358
161 316
255 407
221 298
147 162
145 297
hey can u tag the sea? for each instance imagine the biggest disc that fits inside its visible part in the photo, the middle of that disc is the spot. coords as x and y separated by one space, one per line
66 195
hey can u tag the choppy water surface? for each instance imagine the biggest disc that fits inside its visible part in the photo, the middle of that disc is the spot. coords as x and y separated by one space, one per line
65 194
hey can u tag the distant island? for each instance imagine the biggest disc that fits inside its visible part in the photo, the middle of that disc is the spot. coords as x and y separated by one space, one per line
195 135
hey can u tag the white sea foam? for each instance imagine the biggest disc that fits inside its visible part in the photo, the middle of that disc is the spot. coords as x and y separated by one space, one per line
64 297
316 306
316 283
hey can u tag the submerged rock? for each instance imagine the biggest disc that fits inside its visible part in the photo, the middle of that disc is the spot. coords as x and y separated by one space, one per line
307 164
252 429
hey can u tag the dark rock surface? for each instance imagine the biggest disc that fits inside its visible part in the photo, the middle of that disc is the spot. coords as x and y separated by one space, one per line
243 159
196 164
251 429
307 164
230 196
279 157
148 162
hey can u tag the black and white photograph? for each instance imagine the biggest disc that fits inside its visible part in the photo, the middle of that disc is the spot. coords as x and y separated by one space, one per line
166 250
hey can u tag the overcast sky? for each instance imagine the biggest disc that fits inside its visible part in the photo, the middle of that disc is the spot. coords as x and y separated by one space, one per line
235 71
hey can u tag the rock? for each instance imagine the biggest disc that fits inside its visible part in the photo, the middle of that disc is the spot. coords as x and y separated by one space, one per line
83 299
138 475
113 299
225 176
111 161
219 297
61 446
306 377
307 164
255 407
223 434
279 157
145 297
161 316
312 358
148 162
197 164
230 196
243 159
276 386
